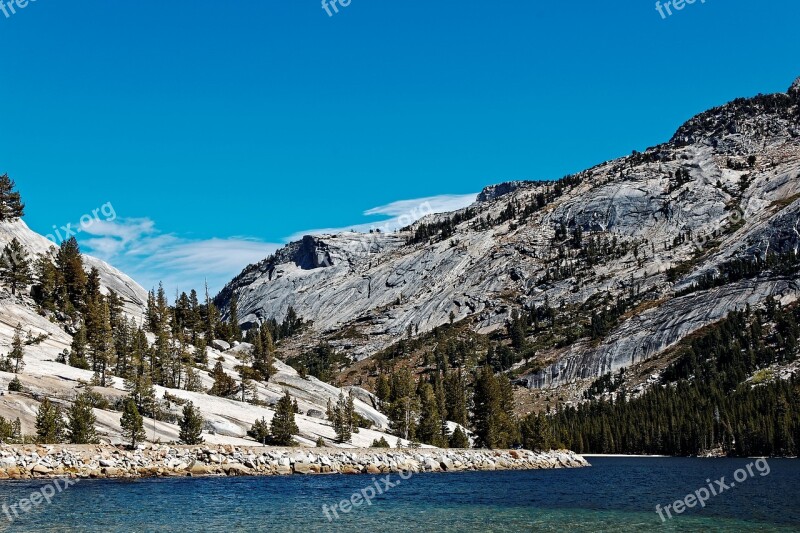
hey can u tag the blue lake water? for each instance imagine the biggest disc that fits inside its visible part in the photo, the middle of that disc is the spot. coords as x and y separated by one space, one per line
615 495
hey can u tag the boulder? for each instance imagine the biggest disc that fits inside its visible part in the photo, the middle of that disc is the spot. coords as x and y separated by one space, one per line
41 470
304 468
220 345
236 470
431 464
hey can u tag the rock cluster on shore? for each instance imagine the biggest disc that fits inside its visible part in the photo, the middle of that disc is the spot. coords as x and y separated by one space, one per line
91 461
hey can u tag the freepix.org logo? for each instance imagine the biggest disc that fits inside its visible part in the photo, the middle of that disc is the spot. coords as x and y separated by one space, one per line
331 7
38 498
86 222
10 7
665 9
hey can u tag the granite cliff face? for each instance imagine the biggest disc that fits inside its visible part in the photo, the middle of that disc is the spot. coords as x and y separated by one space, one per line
648 226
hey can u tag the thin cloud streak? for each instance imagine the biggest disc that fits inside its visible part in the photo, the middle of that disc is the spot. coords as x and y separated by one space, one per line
400 213
137 247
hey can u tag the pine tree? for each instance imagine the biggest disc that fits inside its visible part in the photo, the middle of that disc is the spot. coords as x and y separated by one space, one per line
123 333
536 432
383 389
459 439
405 415
235 332
441 404
151 313
380 443
191 425
516 330
283 423
132 423
15 268
350 413
77 354
16 431
92 292
224 385
430 425
509 425
193 382
404 408
15 385
338 418
101 339
456 398
212 318
5 430
69 263
260 431
17 351
11 206
141 391
49 423
488 412
81 421
249 390
194 319
45 290
263 351
162 309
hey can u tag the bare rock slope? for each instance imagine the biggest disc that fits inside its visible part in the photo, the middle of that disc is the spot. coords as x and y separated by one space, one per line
649 225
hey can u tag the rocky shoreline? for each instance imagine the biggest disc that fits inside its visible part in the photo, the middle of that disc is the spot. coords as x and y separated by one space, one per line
108 462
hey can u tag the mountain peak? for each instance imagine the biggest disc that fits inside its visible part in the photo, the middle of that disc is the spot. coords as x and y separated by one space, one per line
795 88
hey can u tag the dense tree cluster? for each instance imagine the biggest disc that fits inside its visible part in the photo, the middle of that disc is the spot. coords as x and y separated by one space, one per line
787 263
718 393
419 411
440 229
11 432
322 362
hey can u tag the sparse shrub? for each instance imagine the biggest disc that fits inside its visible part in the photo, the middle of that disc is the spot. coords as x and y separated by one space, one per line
380 443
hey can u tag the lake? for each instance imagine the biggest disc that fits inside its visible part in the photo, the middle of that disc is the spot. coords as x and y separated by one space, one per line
616 494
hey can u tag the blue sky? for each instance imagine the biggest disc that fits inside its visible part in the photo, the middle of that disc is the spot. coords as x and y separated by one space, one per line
217 131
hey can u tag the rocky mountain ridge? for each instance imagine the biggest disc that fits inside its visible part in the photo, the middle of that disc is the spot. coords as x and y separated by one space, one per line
647 227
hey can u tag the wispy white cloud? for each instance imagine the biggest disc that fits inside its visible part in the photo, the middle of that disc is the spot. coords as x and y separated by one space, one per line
137 247
400 214
439 204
